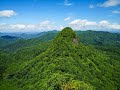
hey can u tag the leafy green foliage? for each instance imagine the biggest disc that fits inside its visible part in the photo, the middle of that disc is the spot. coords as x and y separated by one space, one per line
114 59
22 43
63 64
99 38
5 60
76 85
6 40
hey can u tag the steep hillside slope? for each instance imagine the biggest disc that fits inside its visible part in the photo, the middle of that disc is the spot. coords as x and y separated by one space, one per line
66 65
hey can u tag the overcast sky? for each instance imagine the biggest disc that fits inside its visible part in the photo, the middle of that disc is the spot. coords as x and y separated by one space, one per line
45 15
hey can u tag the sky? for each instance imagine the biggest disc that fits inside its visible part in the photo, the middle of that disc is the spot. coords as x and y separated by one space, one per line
45 15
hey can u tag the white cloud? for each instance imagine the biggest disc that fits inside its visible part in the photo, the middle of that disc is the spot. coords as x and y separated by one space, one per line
67 3
85 24
91 6
45 22
21 26
3 26
110 3
77 24
107 25
66 19
61 27
80 24
104 23
18 26
7 13
115 26
116 12
43 26
46 25
31 26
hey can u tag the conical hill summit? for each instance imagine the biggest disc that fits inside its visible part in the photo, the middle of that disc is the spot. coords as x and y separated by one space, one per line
66 65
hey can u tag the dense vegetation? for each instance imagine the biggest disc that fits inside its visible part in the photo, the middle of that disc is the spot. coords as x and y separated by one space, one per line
6 40
99 38
86 61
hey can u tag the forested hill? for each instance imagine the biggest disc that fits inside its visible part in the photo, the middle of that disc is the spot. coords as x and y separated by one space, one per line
100 38
97 38
65 64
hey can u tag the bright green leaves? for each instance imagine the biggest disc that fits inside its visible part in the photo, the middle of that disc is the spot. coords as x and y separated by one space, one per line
76 85
65 65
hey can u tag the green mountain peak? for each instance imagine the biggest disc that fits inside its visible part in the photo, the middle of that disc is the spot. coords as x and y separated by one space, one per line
67 36
65 65
67 33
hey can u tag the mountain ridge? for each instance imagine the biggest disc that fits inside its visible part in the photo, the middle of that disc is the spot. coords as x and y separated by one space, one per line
65 65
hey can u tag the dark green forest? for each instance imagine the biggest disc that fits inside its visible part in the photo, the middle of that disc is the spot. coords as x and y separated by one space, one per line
61 60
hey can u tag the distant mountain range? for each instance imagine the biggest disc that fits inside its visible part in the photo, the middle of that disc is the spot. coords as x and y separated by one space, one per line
26 35
29 35
8 37
86 37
